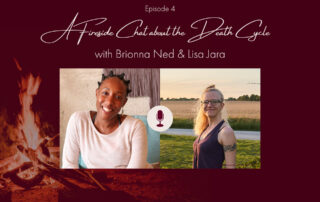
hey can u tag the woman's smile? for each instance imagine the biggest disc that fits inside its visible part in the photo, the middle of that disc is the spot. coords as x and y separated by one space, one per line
106 109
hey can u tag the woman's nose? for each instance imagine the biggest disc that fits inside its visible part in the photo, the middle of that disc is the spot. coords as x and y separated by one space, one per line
109 100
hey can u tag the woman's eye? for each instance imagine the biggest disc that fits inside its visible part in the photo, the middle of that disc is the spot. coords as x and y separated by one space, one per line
105 93
119 97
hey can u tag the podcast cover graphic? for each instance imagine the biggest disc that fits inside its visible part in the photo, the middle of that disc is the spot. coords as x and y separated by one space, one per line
48 40
240 107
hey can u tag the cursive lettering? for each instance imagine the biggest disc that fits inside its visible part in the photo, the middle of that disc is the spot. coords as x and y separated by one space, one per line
139 22
220 31
252 37
70 28
205 27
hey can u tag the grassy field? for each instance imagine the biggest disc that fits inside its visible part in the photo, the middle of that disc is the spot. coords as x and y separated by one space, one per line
234 109
176 152
235 123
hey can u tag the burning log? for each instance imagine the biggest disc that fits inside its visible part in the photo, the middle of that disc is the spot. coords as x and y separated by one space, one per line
24 167
26 183
6 164
3 183
56 173
39 161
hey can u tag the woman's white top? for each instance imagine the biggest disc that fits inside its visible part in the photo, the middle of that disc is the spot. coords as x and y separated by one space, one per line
125 147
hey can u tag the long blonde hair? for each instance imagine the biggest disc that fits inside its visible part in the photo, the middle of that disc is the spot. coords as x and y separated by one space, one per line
201 120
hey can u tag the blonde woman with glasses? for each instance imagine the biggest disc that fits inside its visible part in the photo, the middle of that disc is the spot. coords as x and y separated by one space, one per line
216 141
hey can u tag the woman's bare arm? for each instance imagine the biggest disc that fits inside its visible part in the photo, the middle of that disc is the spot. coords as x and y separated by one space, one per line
228 141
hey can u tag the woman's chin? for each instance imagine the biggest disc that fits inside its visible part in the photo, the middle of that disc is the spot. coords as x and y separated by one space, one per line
107 115
211 115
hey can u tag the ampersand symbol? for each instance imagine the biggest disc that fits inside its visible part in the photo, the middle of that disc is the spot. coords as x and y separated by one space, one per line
180 54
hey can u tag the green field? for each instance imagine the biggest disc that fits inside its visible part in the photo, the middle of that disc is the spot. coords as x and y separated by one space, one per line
235 123
176 152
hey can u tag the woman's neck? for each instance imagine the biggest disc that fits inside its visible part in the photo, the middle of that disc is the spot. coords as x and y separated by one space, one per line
106 126
213 121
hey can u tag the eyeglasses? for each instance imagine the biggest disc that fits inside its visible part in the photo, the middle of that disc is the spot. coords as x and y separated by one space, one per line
213 102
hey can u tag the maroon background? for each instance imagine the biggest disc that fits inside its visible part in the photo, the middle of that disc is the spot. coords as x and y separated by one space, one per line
279 57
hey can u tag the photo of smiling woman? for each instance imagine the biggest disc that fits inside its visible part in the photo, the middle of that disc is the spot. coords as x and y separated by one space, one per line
106 138
216 141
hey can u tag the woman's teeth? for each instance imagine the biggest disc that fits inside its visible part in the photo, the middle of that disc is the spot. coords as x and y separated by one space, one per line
106 109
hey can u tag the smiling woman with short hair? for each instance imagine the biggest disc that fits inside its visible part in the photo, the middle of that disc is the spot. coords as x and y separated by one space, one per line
216 142
105 138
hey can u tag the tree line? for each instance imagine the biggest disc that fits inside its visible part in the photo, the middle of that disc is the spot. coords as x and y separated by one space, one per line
252 97
179 99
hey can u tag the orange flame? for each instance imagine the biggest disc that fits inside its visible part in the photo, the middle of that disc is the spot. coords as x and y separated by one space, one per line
27 119
17 64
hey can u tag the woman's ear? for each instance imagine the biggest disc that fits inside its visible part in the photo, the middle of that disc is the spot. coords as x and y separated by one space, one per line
97 91
222 105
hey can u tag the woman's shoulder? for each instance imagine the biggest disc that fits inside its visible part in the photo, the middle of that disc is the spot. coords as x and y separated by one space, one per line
79 115
136 127
134 121
226 133
226 130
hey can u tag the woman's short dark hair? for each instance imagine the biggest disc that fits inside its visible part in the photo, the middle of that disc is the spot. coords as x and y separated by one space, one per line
120 76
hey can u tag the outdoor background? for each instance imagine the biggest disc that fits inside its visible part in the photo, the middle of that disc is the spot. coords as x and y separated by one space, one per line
241 89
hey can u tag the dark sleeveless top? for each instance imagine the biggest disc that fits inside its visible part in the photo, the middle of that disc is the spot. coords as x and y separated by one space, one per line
208 152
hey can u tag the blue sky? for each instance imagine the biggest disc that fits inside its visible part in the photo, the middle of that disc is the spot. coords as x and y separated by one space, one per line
233 82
